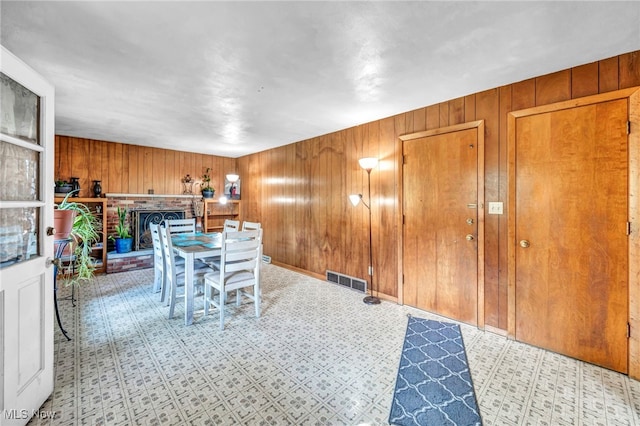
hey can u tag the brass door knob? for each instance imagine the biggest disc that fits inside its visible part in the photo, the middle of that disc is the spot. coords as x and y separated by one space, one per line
51 231
524 243
54 262
469 237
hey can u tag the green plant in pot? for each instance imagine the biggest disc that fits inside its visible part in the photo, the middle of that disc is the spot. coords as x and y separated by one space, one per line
208 191
83 234
124 239
63 187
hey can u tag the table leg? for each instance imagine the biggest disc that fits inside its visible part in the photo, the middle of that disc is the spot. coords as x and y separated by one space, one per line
188 289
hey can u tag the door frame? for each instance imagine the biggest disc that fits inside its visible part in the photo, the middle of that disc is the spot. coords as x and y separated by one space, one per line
633 96
479 126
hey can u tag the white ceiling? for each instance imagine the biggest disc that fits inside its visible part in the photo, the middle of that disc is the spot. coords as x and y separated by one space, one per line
233 78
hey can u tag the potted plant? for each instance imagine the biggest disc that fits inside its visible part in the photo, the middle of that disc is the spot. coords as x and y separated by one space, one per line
208 191
84 233
63 187
124 240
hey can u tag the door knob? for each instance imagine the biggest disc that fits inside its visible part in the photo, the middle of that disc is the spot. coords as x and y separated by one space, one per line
51 231
524 243
469 221
469 237
55 262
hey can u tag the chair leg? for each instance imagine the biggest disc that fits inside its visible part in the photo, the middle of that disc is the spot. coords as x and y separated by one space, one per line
166 294
163 287
256 299
207 292
172 299
156 280
222 302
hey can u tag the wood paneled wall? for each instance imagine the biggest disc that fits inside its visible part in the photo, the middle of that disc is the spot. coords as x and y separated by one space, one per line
131 169
299 191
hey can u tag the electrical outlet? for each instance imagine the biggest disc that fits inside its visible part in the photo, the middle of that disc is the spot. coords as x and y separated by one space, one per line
495 207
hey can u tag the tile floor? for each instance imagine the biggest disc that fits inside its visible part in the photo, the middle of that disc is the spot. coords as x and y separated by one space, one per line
317 356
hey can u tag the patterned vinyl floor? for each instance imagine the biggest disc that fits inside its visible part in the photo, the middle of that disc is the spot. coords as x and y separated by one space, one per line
316 356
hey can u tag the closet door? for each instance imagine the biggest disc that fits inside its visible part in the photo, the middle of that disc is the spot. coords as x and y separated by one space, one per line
569 184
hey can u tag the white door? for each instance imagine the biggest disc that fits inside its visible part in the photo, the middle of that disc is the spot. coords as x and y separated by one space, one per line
26 211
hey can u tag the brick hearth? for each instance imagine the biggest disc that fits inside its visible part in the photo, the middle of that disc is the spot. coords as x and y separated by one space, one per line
120 262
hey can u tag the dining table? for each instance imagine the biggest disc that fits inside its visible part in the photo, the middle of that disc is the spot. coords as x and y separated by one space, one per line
191 247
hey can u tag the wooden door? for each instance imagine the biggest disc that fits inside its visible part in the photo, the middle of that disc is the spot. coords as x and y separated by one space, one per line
26 210
441 222
570 243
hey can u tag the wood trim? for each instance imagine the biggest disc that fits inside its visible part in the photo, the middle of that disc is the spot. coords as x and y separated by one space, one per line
300 270
480 132
587 100
442 130
511 229
481 213
495 330
634 237
633 95
399 207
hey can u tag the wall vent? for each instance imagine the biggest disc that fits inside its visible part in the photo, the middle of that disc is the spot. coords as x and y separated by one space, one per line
266 259
347 281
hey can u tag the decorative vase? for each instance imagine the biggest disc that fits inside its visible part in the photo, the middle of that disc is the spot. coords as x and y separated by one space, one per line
97 189
123 245
75 185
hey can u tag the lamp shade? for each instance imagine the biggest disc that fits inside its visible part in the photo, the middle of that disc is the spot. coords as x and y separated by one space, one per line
368 163
232 177
355 199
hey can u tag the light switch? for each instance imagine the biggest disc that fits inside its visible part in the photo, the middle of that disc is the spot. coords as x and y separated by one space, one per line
495 207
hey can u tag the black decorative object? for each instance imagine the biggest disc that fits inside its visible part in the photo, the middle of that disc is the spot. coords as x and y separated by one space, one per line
75 185
97 189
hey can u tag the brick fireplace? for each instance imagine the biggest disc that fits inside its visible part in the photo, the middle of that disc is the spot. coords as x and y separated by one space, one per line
142 257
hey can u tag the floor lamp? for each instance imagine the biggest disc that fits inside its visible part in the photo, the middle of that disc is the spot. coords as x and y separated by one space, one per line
368 164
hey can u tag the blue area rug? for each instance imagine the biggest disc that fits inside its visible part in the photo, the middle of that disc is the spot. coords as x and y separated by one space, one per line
434 385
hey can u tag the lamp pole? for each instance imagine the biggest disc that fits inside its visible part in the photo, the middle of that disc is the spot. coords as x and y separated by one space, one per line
370 300
368 164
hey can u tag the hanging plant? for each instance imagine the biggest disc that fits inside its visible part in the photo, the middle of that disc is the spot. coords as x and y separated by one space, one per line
84 233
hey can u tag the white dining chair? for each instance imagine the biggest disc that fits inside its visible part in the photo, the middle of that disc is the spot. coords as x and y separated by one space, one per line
250 226
159 277
179 226
239 269
174 275
158 258
231 225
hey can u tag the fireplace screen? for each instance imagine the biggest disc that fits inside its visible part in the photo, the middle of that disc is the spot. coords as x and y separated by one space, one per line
141 220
